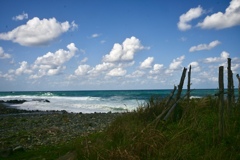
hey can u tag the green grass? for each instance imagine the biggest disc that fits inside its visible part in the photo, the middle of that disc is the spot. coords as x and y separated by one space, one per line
135 135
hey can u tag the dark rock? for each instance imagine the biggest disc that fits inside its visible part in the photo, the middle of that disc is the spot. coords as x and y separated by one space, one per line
41 100
15 101
64 111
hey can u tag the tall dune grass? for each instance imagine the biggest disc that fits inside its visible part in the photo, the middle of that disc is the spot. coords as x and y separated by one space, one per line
194 135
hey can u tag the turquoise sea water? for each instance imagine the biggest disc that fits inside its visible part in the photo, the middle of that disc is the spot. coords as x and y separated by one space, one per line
91 101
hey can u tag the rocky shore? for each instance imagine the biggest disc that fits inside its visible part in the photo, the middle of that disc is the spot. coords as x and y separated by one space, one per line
30 129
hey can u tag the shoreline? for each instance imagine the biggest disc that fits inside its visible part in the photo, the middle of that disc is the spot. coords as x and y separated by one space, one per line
31 129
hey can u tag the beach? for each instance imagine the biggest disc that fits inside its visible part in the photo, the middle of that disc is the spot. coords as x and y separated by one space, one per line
30 129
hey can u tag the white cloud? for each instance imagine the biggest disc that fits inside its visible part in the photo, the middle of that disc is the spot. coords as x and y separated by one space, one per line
23 69
55 71
124 51
21 17
147 63
204 46
209 76
84 60
37 32
51 63
223 57
136 74
95 35
195 66
8 76
103 67
116 72
236 65
4 55
220 20
156 69
175 65
82 70
185 18
73 26
57 58
102 41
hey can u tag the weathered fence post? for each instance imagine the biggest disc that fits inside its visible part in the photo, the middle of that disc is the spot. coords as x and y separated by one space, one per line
189 83
178 111
230 85
238 87
233 94
181 84
221 100
170 97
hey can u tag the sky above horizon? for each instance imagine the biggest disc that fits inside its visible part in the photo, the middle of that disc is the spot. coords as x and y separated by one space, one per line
106 44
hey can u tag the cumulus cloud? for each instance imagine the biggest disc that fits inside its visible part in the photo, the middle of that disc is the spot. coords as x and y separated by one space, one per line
37 32
104 66
185 18
176 64
236 65
205 46
136 74
57 58
82 70
4 55
156 68
51 63
124 51
195 66
117 72
23 69
147 63
223 57
20 17
8 76
220 20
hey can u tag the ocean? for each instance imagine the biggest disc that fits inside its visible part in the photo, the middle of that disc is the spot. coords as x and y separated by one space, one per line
91 101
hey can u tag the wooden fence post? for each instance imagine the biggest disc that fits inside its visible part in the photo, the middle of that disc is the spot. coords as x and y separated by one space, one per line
189 83
229 92
238 87
221 100
181 84
232 83
170 97
178 111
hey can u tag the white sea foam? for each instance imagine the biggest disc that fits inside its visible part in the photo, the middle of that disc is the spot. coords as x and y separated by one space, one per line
195 97
75 104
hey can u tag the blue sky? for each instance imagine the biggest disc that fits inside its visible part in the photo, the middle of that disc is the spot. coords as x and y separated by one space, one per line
106 44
